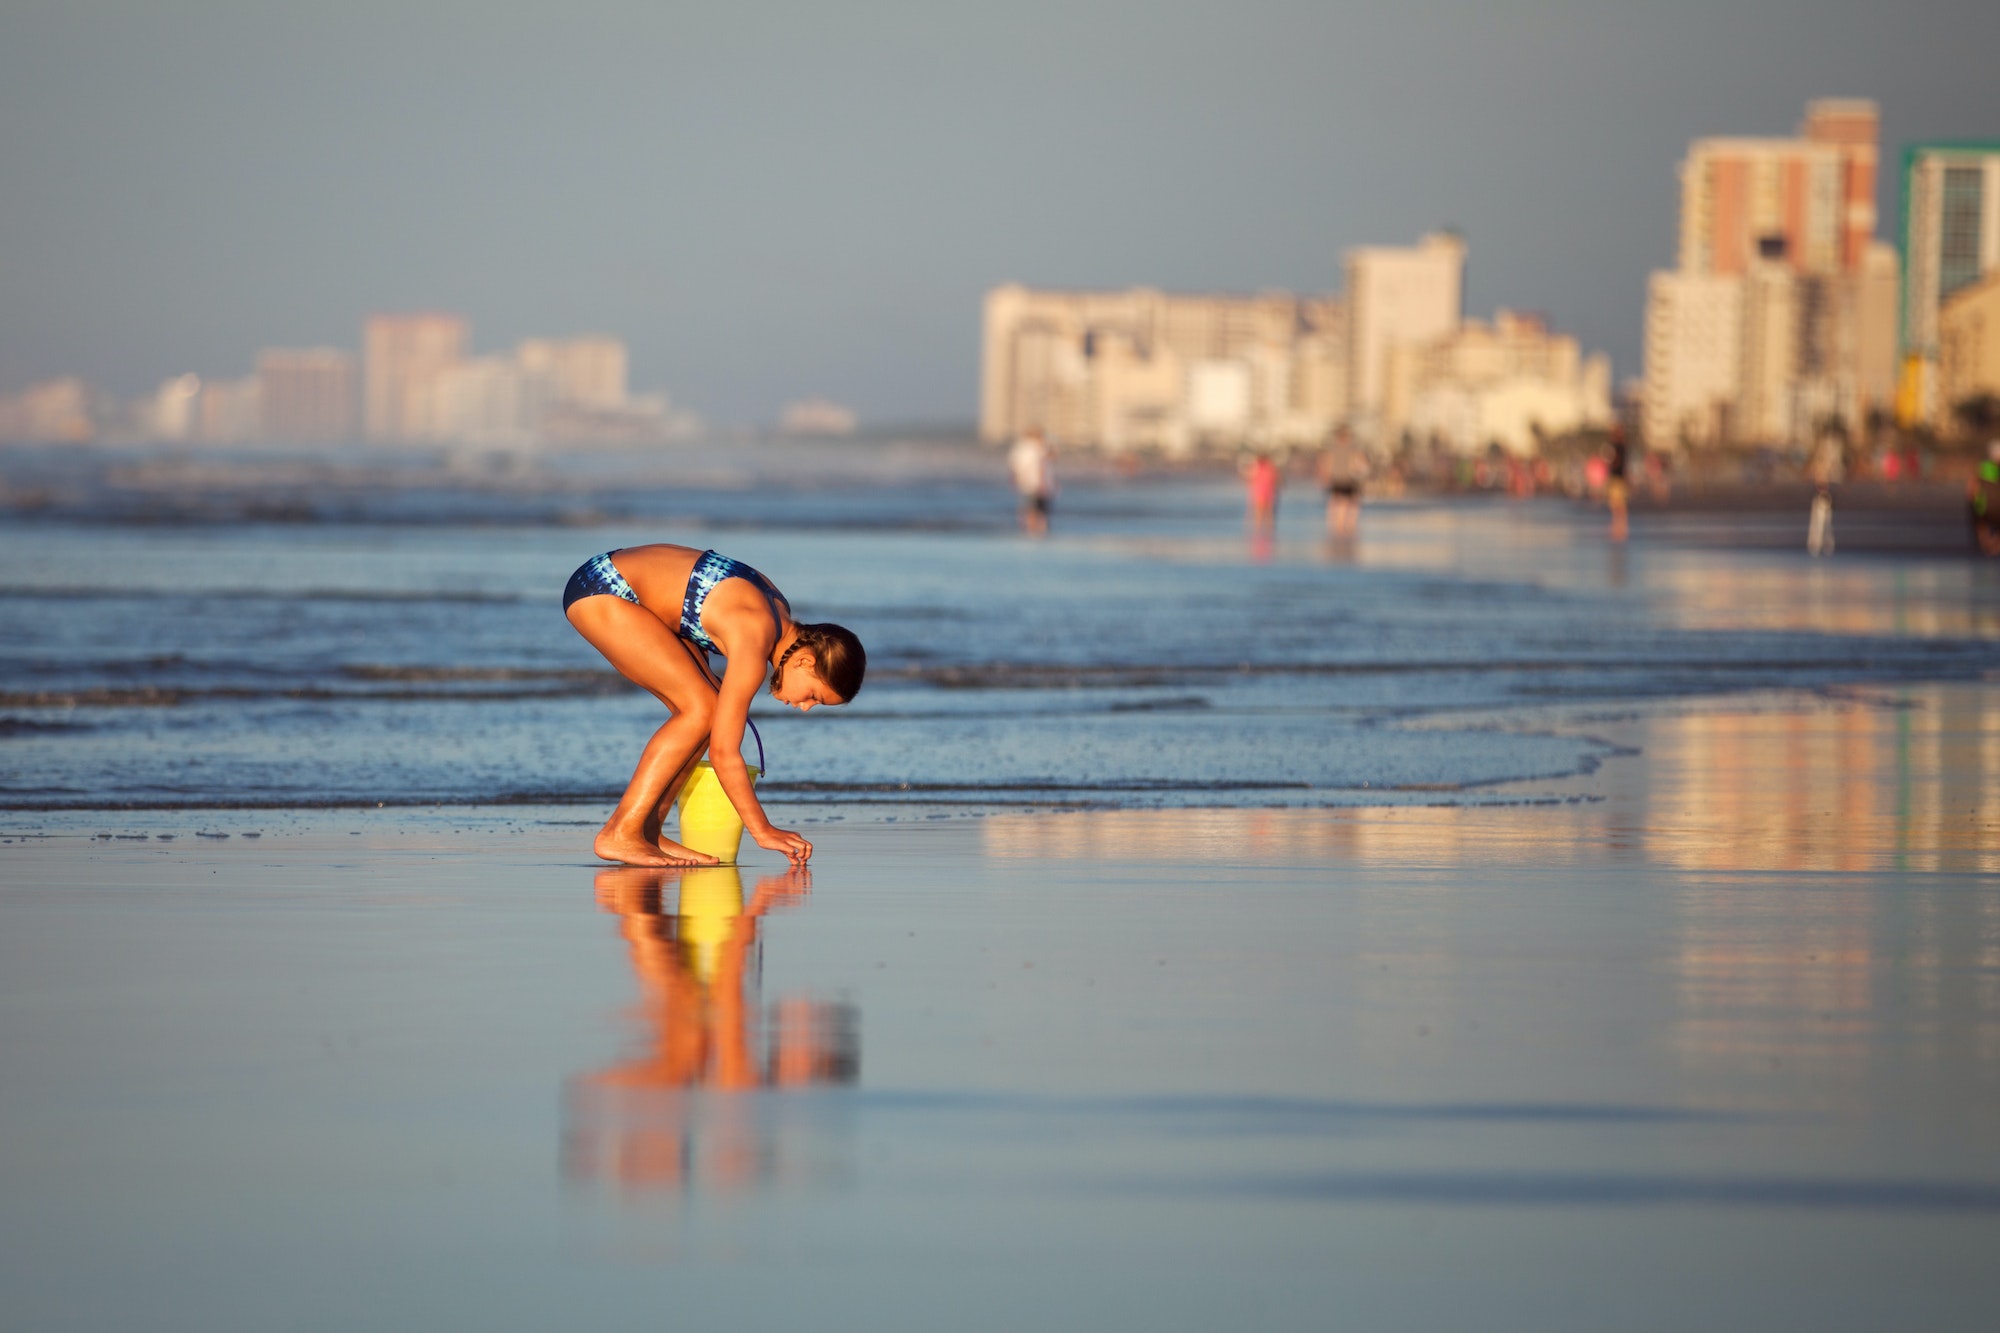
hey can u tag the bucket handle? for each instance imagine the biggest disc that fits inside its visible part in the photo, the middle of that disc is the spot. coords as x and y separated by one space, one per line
701 661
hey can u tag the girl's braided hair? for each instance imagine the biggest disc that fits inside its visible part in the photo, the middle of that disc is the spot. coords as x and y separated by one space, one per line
841 659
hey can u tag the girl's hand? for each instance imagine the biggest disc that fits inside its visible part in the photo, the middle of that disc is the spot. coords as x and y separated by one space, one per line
784 840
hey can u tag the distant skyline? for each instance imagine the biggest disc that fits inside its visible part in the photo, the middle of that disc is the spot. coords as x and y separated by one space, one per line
772 202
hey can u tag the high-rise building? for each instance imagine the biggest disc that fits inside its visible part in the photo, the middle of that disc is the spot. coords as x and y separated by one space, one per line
1969 343
587 372
231 411
1863 343
52 411
1694 324
308 394
1144 369
1808 201
1397 295
173 412
1951 239
1509 382
1777 321
1768 354
403 357
1123 370
481 400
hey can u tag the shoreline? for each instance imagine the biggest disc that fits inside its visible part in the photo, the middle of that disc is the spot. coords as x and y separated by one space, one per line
1853 779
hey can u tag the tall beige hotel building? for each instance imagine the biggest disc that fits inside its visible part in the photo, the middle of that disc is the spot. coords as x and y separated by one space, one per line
306 394
403 359
1780 312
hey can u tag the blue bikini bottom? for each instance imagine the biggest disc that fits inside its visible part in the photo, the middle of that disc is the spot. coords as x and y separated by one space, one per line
597 575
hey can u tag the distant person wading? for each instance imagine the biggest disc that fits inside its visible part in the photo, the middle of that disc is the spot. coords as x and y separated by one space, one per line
1262 481
1617 486
1033 465
1342 470
656 612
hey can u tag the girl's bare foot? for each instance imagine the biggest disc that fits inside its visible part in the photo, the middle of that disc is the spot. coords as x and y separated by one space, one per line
648 846
630 849
678 855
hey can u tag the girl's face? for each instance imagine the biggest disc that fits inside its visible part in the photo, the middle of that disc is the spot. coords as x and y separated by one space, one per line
801 686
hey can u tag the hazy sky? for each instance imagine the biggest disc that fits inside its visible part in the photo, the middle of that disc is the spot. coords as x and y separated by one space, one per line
773 200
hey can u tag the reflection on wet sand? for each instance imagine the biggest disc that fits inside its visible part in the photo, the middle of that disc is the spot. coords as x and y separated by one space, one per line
1901 780
1826 912
1923 601
651 1122
1837 979
1763 979
1910 781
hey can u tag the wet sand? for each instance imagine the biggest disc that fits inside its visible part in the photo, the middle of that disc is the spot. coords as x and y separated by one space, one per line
1708 1036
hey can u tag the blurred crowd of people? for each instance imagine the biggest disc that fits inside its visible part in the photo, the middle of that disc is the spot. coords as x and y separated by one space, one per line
1603 468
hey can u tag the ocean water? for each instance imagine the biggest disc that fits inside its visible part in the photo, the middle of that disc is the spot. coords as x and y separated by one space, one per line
396 638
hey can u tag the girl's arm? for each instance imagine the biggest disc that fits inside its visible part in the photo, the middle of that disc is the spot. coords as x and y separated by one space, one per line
740 682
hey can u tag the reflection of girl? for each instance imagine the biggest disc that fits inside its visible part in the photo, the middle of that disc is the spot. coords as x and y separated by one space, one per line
706 1029
655 612
692 964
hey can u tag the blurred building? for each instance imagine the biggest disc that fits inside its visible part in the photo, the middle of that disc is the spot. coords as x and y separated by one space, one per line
481 400
307 395
1693 335
575 391
55 411
1512 382
1951 240
417 382
1397 297
587 372
230 411
818 416
644 418
551 390
1142 369
1969 342
1780 318
403 358
173 412
1815 194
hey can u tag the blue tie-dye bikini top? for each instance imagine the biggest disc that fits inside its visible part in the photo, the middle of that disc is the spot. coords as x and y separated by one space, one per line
709 570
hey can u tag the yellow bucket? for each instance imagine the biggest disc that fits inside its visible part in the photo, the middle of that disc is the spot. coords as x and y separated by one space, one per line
709 823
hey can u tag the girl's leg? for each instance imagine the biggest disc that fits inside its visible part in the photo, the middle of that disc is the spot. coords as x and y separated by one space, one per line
657 821
647 653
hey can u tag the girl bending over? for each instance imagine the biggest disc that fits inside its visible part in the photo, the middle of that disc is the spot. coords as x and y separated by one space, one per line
655 612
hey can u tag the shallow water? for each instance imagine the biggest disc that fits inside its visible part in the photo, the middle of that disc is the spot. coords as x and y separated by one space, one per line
1147 655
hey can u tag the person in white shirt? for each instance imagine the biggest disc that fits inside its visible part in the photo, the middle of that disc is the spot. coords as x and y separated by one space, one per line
1032 463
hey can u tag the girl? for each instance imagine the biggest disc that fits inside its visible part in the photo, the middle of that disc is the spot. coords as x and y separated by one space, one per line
655 612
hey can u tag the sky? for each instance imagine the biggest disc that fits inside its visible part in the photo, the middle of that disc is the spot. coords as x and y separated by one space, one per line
771 201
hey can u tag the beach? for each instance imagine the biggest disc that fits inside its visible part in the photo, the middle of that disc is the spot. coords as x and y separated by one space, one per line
1479 925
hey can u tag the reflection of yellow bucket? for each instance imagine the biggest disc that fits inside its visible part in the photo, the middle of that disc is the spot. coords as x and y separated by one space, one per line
709 823
711 900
